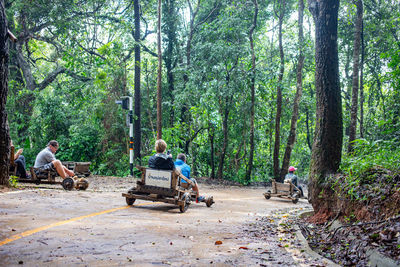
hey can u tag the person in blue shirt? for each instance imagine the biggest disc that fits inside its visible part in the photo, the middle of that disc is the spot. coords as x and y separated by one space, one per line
180 164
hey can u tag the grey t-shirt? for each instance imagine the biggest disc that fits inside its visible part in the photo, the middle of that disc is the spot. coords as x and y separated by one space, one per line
45 156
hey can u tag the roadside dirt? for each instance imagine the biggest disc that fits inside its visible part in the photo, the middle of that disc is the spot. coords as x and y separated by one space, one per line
46 226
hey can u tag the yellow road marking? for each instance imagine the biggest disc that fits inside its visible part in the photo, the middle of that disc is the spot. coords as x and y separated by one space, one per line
31 232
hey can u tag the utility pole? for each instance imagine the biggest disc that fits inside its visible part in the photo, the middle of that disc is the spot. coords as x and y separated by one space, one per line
127 103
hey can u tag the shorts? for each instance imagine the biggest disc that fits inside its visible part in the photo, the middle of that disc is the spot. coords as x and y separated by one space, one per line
43 171
47 167
191 179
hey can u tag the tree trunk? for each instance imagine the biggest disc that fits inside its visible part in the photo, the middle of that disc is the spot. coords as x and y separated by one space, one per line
308 130
225 118
170 28
299 92
4 130
271 114
252 86
159 96
328 137
212 134
356 63
362 85
138 132
30 82
279 93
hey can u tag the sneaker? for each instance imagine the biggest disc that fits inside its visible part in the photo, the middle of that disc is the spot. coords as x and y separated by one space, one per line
200 199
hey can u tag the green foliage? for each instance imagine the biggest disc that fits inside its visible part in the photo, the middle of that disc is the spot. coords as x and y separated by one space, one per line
92 40
13 181
371 153
356 168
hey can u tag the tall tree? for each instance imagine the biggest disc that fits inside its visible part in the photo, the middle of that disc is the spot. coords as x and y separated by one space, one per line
159 94
252 91
280 15
328 138
225 103
170 55
356 63
296 102
362 83
138 131
4 131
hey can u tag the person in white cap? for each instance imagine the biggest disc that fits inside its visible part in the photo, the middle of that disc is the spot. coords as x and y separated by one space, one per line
293 178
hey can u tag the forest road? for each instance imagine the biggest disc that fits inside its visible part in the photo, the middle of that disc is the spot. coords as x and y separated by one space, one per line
47 226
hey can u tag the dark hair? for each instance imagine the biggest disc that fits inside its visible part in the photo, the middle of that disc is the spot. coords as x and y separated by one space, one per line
181 157
53 143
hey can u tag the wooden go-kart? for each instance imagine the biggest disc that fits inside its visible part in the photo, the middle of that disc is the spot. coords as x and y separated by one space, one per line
81 169
164 186
49 177
283 190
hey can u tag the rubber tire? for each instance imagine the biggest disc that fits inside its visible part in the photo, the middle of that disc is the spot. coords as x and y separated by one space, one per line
130 201
68 183
295 200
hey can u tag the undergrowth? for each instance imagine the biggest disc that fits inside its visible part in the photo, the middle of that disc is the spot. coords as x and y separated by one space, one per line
368 183
13 181
361 166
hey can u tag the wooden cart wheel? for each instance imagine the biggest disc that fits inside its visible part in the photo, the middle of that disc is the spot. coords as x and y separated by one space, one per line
267 195
209 201
183 207
185 203
130 201
295 198
82 184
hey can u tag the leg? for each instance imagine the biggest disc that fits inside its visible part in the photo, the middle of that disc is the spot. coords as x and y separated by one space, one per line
68 171
196 189
301 191
20 162
62 170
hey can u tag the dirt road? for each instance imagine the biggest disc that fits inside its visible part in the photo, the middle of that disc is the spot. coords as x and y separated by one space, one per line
53 227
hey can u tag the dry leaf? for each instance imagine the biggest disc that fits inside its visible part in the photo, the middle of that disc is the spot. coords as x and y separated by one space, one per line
218 242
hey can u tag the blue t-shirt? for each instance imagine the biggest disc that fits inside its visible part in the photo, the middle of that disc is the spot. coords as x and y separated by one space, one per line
185 169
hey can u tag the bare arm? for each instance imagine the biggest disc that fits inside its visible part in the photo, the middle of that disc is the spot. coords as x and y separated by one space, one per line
19 152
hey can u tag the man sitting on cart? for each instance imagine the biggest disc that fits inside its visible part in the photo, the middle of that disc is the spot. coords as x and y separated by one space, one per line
293 178
180 163
46 161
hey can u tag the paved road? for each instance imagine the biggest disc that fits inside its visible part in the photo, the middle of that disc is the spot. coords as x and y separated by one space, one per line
53 227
